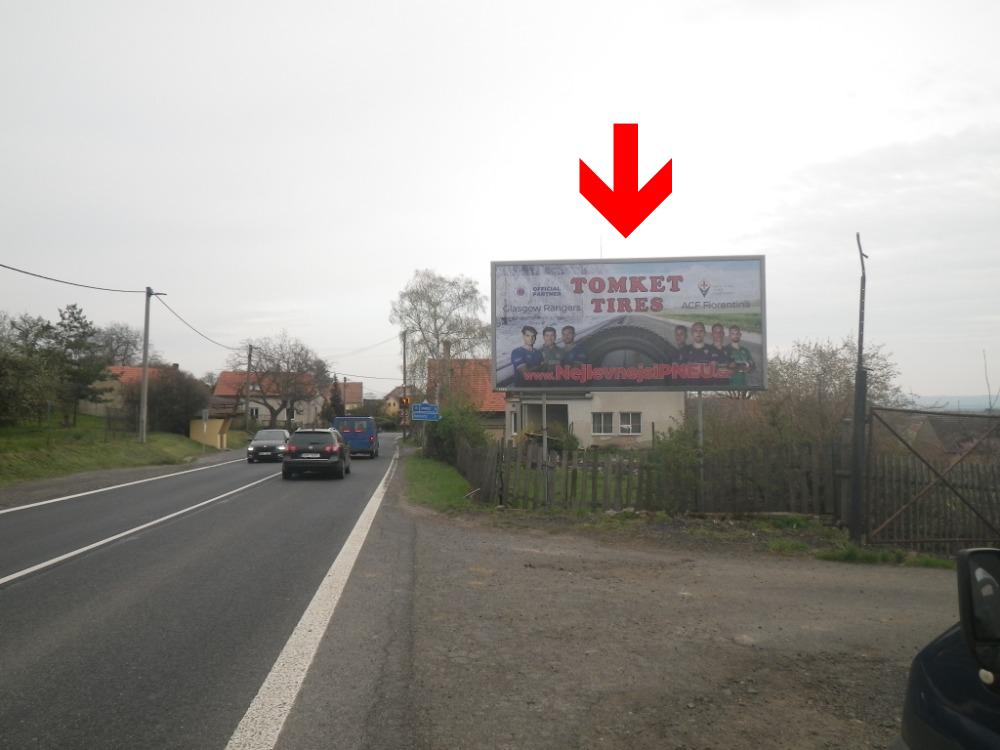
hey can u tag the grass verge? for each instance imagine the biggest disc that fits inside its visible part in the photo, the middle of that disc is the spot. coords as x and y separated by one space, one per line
439 486
436 485
851 553
48 450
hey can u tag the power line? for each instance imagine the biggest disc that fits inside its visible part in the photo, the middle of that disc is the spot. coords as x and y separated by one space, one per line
394 337
72 283
231 348
365 377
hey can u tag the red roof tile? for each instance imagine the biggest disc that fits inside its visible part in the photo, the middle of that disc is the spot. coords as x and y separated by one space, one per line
231 384
470 378
131 375
351 393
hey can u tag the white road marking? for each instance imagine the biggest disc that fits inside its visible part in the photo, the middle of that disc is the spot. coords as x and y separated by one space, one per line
118 486
261 725
95 545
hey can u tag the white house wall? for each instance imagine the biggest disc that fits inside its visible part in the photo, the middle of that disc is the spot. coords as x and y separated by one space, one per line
660 411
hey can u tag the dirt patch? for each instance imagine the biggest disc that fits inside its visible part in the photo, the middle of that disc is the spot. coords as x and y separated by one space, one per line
547 632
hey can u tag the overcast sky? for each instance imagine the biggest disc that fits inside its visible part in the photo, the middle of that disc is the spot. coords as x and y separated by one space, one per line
291 165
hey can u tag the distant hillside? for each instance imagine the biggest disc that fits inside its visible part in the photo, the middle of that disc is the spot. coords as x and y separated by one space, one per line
954 403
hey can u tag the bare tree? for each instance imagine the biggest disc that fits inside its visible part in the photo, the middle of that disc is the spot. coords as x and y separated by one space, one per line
285 369
120 343
810 391
433 309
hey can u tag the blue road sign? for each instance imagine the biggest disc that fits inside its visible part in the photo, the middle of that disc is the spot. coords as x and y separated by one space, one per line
424 412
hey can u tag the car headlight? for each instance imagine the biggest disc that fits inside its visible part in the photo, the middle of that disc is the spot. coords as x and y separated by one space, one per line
249 449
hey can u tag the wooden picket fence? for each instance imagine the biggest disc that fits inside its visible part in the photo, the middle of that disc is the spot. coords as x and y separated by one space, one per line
479 467
793 479
593 481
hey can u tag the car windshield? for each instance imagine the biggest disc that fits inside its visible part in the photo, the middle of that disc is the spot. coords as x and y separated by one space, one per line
269 435
302 439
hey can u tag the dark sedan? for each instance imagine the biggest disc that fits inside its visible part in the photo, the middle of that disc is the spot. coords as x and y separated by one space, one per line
267 445
322 451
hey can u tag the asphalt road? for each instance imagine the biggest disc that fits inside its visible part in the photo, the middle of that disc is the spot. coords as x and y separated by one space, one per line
161 637
470 632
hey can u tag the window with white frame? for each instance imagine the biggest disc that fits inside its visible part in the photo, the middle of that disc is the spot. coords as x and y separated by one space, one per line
513 423
602 422
254 412
630 422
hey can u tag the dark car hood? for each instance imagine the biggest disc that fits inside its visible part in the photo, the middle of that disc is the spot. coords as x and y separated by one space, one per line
266 443
947 706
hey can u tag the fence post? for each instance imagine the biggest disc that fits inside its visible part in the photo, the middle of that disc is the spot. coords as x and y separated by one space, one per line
593 480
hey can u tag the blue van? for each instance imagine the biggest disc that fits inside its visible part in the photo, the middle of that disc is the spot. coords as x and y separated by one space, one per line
361 434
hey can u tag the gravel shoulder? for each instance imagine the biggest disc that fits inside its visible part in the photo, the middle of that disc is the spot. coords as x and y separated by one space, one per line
530 635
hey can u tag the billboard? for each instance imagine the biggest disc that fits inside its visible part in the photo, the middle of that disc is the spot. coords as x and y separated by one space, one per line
658 324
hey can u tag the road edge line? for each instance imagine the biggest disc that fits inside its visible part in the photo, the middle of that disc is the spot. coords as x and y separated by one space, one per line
263 721
117 486
77 552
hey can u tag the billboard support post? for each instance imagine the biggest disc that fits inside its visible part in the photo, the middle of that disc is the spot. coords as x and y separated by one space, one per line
545 447
701 455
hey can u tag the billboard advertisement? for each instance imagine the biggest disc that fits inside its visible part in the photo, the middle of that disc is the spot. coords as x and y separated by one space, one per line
678 324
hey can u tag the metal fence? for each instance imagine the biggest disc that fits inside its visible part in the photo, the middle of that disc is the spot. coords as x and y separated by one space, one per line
933 479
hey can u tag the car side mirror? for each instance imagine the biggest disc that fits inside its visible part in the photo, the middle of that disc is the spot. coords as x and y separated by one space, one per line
979 605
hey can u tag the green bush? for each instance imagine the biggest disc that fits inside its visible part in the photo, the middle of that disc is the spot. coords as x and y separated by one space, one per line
675 458
456 423
561 439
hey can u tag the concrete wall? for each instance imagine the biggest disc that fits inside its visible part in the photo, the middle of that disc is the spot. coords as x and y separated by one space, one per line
213 432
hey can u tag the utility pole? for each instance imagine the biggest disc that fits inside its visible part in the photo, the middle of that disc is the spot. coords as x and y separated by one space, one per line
144 389
860 400
404 415
246 415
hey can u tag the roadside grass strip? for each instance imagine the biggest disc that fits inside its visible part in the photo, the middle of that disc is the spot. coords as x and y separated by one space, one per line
108 540
262 724
851 553
87 447
436 485
116 487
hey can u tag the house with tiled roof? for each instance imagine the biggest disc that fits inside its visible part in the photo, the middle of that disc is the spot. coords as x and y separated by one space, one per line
352 394
266 402
623 419
467 381
116 379
392 403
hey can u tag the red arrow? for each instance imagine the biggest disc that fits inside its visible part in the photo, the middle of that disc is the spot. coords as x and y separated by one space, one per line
626 207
